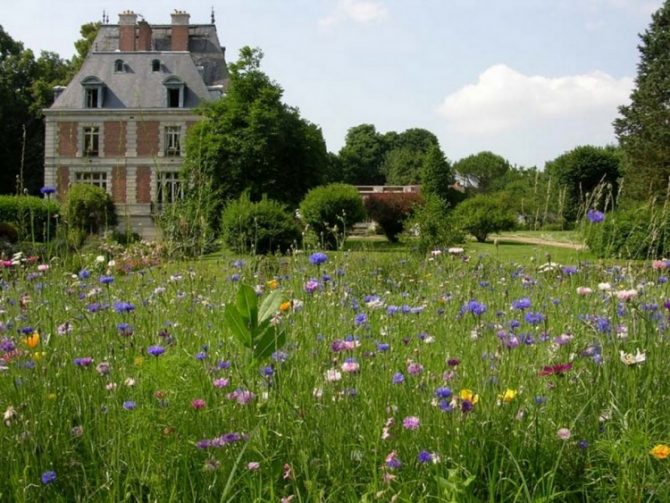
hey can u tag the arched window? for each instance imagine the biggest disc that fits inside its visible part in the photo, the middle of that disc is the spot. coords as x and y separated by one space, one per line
118 66
93 92
175 92
155 65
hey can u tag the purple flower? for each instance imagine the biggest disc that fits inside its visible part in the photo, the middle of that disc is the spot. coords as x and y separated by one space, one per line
124 329
569 270
392 460
155 350
383 346
280 356
474 307
48 477
201 356
534 318
360 319
106 280
84 274
46 191
595 216
318 258
398 378
311 286
83 362
411 423
129 405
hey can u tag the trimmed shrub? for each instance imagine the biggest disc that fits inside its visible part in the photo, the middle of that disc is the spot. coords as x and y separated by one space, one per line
262 227
431 226
88 208
332 210
390 210
482 215
637 233
29 215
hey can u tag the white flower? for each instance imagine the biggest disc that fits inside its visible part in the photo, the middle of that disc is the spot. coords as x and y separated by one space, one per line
632 359
604 287
100 259
333 375
455 251
9 415
436 253
625 294
584 290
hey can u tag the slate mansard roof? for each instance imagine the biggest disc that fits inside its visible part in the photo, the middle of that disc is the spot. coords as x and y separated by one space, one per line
202 71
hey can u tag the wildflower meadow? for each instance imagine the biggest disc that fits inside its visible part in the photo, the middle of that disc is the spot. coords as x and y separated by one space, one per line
339 376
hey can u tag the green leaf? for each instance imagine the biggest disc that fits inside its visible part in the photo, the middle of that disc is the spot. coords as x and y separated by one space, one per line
237 325
268 340
247 305
269 306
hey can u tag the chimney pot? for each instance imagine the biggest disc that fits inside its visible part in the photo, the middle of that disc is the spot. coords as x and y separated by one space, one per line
179 35
127 22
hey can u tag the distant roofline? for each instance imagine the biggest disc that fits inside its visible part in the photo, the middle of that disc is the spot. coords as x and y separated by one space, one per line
160 25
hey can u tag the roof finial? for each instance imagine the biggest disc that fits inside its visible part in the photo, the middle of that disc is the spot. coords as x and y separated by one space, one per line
103 16
213 20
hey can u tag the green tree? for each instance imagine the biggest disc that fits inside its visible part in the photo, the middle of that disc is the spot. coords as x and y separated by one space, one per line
88 33
362 156
589 176
482 172
482 215
437 177
643 129
250 140
406 152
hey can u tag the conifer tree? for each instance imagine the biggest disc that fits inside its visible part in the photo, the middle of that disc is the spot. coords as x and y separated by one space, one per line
643 129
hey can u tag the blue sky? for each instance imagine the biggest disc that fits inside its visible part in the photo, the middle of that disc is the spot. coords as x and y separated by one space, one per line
527 79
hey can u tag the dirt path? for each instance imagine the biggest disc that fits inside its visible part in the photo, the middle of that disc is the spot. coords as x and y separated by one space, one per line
537 241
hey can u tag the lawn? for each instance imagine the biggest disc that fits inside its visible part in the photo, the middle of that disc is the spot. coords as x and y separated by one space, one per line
483 376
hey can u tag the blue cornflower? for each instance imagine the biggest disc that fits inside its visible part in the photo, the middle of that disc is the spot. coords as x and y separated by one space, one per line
27 330
123 307
84 274
47 190
383 346
155 350
201 356
534 318
595 216
474 307
360 319
106 280
48 477
318 258
424 457
280 356
238 264
569 270
522 303
443 392
129 405
398 378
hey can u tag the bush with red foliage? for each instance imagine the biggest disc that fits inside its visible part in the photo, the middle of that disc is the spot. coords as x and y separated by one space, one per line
390 210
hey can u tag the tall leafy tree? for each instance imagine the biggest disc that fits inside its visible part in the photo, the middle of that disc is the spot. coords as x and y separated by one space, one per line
437 177
588 174
362 156
405 155
482 172
250 140
643 129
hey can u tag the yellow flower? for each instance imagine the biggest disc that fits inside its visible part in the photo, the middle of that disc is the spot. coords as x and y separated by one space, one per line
508 395
273 284
660 451
139 360
285 306
33 340
51 396
468 395
38 355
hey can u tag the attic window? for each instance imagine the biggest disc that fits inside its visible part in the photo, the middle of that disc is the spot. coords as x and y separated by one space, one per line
93 92
175 92
155 65
118 66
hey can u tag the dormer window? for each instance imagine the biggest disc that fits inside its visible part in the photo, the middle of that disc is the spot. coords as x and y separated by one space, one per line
118 66
155 65
175 92
93 92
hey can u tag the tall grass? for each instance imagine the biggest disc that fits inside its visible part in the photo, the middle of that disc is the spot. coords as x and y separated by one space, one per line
314 431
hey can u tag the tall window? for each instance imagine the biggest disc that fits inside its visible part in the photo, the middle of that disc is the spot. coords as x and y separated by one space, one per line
155 65
93 90
91 141
175 90
170 188
118 66
97 179
172 141
92 97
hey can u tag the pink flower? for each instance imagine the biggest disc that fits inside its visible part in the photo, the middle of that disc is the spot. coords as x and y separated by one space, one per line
563 433
414 368
333 375
411 423
43 267
311 286
584 290
350 366
626 295
253 466
221 382
241 396
198 404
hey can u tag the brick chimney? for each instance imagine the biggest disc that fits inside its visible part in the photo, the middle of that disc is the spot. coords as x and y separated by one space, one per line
144 36
180 20
127 20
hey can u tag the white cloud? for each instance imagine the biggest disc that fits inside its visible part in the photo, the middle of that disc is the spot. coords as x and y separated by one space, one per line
504 100
358 11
